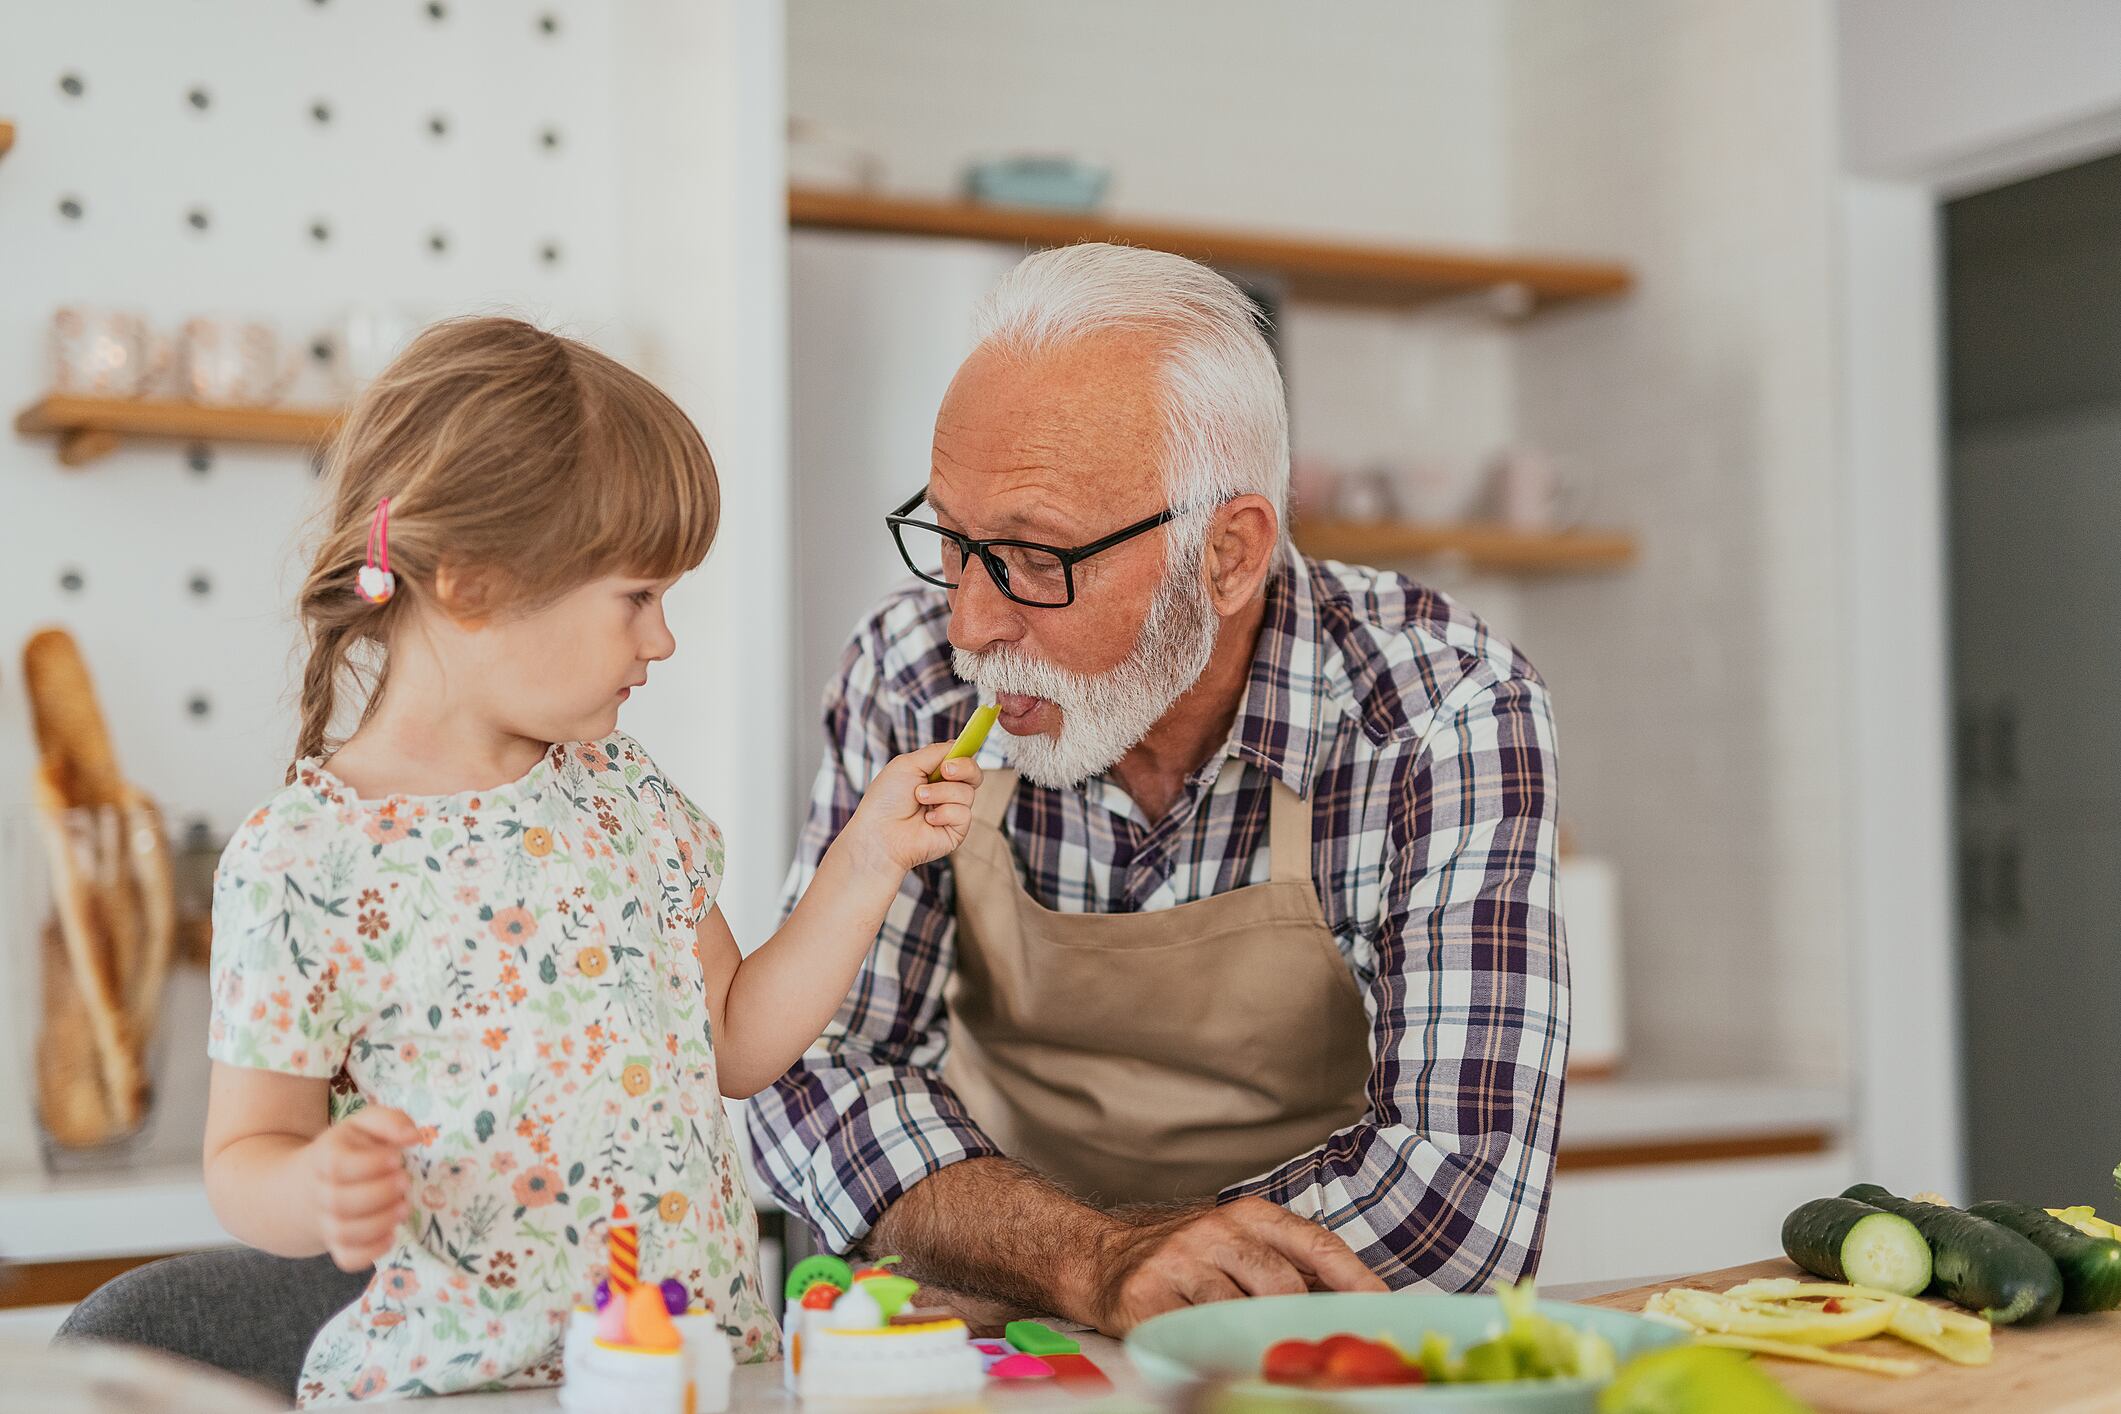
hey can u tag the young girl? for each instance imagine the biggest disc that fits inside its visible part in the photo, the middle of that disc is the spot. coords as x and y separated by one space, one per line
485 924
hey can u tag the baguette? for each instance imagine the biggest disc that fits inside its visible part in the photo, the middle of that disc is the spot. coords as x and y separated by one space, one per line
116 1047
71 1101
148 854
69 724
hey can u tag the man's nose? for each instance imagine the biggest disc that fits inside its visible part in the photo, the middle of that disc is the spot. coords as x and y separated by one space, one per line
980 614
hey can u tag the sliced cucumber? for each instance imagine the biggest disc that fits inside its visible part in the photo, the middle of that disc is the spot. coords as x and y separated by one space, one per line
1844 1240
2090 1266
1977 1264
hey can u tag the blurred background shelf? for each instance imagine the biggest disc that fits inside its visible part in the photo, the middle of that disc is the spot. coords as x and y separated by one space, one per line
1335 271
88 428
1492 549
7 136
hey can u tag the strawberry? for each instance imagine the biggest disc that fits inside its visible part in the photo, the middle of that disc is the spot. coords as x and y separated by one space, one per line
1367 1362
1291 1362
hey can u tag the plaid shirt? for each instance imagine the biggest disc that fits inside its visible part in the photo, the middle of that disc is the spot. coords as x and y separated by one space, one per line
1426 748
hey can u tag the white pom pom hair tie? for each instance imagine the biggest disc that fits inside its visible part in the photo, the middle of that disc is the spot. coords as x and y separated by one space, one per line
376 583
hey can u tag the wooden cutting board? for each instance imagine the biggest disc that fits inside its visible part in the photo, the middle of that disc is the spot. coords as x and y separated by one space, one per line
2070 1363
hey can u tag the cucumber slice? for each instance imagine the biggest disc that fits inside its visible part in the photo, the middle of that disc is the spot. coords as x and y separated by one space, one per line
1847 1241
1977 1264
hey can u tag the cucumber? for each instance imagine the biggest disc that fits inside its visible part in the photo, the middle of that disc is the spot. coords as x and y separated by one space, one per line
2090 1266
1977 1264
1847 1241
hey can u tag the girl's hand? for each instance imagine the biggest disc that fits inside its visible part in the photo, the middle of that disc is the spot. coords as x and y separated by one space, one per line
903 820
357 1170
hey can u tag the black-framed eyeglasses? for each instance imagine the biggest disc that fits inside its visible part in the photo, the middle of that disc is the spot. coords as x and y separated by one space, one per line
1039 576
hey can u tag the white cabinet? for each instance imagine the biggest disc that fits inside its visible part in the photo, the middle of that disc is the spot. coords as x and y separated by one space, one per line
1670 1219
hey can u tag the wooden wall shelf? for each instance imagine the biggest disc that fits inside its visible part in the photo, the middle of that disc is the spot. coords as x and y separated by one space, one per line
1492 549
1337 271
88 428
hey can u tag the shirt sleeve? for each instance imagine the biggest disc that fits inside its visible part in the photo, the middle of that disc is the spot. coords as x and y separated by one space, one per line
281 932
690 854
865 1114
1444 1183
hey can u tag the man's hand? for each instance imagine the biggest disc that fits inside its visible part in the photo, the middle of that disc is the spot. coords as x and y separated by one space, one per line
1246 1248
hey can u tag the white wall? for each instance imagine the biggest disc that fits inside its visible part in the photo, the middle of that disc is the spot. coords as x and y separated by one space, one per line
663 197
1702 745
1384 124
1944 90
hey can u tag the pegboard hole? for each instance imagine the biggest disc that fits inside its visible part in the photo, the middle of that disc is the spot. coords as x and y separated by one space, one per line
72 85
199 458
70 207
320 112
72 581
549 253
320 349
437 11
200 706
548 23
438 125
320 232
200 99
438 242
198 218
550 139
200 584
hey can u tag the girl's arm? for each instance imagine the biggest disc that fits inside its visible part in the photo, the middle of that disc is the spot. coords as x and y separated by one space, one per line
282 1178
769 1007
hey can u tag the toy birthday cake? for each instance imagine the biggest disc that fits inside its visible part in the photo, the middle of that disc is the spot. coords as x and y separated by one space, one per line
643 1349
848 1336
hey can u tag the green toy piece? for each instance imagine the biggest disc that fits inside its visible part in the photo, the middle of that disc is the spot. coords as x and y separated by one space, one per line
1037 1338
812 1270
890 1293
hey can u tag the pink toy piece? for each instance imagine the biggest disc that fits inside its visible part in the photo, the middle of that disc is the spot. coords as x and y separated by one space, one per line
993 1352
611 1322
1021 1367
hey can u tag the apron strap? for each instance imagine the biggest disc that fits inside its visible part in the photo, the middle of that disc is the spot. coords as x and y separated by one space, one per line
1288 836
991 802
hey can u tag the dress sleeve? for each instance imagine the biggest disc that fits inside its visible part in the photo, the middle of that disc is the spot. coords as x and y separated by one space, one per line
688 846
284 926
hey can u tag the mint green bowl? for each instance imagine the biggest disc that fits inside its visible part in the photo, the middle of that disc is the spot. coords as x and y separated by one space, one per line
1225 1341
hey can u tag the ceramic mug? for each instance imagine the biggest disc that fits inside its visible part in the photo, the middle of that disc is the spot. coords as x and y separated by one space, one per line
233 362
105 353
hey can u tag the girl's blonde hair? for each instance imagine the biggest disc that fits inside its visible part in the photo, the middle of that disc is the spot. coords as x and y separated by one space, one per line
528 463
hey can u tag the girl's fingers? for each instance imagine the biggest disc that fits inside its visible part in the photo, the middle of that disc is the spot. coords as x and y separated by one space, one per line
354 1201
950 817
945 793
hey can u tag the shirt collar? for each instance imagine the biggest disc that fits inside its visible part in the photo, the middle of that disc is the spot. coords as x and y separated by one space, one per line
1290 708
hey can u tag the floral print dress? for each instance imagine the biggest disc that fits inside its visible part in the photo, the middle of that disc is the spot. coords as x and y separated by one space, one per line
515 970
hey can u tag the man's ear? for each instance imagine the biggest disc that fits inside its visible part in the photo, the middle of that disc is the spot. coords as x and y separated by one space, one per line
465 596
1240 550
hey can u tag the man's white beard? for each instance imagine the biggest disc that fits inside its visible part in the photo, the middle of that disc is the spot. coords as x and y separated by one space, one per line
1104 715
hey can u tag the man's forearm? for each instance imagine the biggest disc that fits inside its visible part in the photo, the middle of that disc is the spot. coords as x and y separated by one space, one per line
990 1227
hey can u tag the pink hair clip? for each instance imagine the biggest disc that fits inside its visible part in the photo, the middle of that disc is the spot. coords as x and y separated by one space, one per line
376 583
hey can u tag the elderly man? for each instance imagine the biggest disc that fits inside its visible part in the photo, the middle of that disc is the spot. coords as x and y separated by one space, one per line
1250 976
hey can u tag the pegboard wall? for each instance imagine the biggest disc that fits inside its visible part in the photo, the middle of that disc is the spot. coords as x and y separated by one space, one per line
289 161
611 172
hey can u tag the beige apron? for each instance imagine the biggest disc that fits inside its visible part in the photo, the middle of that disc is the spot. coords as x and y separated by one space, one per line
1152 1057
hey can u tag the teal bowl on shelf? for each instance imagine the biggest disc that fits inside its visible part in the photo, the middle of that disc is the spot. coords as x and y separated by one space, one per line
1225 1341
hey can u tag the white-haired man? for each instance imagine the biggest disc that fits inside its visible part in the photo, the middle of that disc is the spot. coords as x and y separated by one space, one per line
1250 976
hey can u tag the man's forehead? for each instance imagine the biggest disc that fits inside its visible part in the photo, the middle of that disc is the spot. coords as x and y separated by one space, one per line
1051 438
